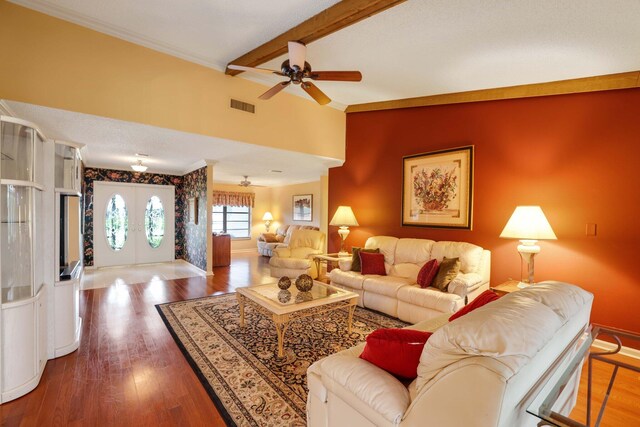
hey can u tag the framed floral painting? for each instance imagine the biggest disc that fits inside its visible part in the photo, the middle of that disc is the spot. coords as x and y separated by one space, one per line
437 189
303 207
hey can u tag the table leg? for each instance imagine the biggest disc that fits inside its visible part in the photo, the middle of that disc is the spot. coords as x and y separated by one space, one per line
282 323
352 309
240 299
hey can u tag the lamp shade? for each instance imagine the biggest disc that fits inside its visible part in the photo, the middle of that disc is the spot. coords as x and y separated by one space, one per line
528 223
267 216
344 217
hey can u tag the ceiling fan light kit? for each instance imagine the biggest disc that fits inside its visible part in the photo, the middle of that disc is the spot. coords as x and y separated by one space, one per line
297 70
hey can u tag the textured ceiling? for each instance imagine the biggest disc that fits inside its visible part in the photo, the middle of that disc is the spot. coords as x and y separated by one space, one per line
113 143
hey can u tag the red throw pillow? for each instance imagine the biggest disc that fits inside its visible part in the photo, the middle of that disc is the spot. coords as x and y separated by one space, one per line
372 263
482 299
397 351
427 273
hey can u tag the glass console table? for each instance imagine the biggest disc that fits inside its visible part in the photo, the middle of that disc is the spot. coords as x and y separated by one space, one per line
548 404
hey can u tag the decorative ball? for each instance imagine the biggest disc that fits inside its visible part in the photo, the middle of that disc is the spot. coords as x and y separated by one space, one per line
284 282
284 296
304 283
304 297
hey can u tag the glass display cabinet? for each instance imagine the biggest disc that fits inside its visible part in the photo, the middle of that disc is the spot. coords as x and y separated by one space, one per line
23 319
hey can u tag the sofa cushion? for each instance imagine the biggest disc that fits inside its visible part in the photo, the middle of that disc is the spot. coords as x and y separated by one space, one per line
349 279
470 255
282 230
427 273
306 239
294 263
355 257
397 351
385 285
447 271
377 389
511 330
372 263
414 251
387 246
564 299
464 283
482 299
430 298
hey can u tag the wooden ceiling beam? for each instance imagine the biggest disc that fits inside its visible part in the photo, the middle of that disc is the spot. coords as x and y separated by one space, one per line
330 20
560 87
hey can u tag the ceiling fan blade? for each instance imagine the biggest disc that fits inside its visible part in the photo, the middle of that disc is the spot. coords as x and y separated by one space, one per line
297 54
315 93
345 76
277 88
253 69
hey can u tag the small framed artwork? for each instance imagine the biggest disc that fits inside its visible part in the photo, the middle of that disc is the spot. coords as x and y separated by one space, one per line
437 189
192 207
303 207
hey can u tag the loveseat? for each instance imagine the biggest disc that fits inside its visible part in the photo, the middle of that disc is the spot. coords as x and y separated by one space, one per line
398 294
482 369
267 242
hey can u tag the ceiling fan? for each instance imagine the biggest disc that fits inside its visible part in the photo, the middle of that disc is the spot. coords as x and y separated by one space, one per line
246 183
297 69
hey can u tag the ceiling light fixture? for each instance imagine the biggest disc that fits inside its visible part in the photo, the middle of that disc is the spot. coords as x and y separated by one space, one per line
139 167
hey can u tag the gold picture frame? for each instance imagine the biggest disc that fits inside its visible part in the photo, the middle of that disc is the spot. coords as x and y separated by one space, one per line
437 189
192 210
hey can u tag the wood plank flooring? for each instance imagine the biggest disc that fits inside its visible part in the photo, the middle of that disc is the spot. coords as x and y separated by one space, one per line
129 371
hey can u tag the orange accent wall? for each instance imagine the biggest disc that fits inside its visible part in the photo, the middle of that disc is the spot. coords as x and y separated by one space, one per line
578 156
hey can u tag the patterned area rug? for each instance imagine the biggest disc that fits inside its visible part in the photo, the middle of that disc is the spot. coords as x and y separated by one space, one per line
239 367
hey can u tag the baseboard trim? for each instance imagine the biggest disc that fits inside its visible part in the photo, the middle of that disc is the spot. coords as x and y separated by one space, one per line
625 351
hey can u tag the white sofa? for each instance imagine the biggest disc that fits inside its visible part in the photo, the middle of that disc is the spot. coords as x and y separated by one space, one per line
282 235
398 295
482 369
297 258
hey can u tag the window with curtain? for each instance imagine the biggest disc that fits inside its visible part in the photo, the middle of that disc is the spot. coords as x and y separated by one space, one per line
234 220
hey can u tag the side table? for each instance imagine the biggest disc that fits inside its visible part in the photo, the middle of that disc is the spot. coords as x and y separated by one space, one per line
328 260
507 287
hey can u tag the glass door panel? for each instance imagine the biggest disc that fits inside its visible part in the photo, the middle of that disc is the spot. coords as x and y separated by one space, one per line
16 152
15 242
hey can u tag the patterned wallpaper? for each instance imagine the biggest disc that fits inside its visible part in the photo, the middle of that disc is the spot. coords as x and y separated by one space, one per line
194 184
94 174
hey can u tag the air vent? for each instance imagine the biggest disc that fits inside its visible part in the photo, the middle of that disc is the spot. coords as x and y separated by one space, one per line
243 106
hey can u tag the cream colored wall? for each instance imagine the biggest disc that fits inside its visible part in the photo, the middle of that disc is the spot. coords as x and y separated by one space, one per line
282 203
262 204
51 62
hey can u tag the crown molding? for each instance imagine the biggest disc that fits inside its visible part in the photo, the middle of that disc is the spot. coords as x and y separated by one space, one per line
560 87
115 31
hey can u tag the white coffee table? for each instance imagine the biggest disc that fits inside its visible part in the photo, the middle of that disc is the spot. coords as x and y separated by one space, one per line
286 306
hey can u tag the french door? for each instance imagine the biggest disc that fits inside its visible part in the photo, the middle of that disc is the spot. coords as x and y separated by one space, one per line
133 223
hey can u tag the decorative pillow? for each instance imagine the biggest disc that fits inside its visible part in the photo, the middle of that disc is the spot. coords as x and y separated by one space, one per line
449 268
397 351
355 257
482 299
268 237
427 273
372 263
279 238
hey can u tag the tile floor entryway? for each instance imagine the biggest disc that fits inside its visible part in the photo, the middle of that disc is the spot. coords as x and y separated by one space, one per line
140 273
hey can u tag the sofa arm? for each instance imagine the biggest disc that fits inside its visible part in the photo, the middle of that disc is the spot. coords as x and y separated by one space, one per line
344 264
282 252
304 252
464 283
377 389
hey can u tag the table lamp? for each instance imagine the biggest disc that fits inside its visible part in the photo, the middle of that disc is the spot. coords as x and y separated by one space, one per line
267 218
528 224
344 218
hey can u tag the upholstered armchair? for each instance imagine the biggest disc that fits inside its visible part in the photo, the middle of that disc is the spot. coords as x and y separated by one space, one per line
297 257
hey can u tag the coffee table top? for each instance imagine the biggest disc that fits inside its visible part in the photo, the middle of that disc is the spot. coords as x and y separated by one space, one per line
280 301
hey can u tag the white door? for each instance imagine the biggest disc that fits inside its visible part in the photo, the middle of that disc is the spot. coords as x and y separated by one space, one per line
155 225
133 223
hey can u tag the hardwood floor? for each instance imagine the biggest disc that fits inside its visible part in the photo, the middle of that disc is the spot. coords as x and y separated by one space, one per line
129 371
